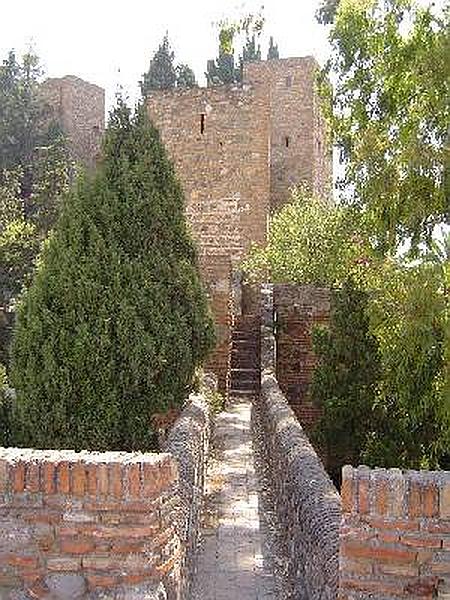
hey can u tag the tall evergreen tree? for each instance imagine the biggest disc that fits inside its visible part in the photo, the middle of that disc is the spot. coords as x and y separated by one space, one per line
161 74
251 50
116 319
185 76
272 53
345 380
22 123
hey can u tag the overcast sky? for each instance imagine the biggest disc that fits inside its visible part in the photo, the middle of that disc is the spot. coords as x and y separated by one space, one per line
111 43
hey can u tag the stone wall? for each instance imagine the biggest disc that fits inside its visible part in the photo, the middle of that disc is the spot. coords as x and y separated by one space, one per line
298 309
308 504
218 139
299 152
103 525
79 107
395 535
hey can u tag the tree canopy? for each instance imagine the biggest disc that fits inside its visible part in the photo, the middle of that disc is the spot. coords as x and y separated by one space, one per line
400 310
388 112
116 319
163 74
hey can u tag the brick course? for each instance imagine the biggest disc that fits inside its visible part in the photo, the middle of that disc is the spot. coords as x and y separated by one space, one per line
298 310
115 523
395 534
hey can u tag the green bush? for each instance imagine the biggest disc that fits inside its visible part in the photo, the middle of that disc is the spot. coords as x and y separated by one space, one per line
116 319
5 409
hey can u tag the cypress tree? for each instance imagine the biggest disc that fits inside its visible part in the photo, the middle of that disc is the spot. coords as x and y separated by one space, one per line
345 379
161 74
116 320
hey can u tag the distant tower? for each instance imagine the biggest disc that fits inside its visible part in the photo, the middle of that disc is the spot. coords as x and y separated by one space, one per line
79 108
299 153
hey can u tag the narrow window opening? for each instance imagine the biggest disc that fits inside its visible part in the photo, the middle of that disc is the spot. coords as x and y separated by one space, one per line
202 124
289 81
286 141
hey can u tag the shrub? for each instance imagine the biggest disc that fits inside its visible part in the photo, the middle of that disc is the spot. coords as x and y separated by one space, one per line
116 319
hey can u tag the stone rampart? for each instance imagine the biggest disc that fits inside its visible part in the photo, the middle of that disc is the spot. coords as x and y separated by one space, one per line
103 525
308 504
395 534
299 308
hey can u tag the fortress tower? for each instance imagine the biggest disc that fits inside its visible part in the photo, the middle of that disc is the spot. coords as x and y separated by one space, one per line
79 108
237 151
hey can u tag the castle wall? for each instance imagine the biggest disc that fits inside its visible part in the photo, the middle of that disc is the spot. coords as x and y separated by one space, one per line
299 151
92 525
395 534
79 107
218 139
299 309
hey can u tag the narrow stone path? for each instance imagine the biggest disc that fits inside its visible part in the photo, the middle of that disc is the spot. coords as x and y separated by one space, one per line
231 562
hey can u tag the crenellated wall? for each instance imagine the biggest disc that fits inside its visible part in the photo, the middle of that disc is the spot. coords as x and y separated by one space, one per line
395 534
103 525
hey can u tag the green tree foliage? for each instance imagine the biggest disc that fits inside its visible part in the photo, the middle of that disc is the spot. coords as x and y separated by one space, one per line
251 50
311 241
5 409
22 114
346 378
327 11
390 113
409 317
116 319
185 76
272 53
35 169
224 69
162 73
407 307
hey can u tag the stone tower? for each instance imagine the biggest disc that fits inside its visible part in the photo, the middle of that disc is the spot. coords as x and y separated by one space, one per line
299 153
237 151
79 108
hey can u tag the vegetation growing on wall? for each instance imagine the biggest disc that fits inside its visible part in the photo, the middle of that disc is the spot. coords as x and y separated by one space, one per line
116 319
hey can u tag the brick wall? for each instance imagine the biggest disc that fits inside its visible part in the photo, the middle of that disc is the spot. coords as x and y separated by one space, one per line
308 504
102 525
298 310
395 535
79 107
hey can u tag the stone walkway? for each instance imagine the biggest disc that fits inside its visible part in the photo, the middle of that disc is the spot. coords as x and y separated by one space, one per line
231 563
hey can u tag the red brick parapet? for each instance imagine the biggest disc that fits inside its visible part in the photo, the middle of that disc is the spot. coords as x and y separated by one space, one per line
395 534
105 516
85 524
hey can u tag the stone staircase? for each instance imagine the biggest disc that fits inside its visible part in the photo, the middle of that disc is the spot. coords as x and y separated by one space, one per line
245 356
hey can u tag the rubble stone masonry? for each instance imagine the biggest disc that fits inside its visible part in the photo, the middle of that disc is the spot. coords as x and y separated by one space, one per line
218 139
79 108
298 310
299 152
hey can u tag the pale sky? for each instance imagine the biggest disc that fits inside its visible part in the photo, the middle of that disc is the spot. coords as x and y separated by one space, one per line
94 39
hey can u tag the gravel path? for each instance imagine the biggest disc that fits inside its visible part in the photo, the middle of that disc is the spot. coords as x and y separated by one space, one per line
235 560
